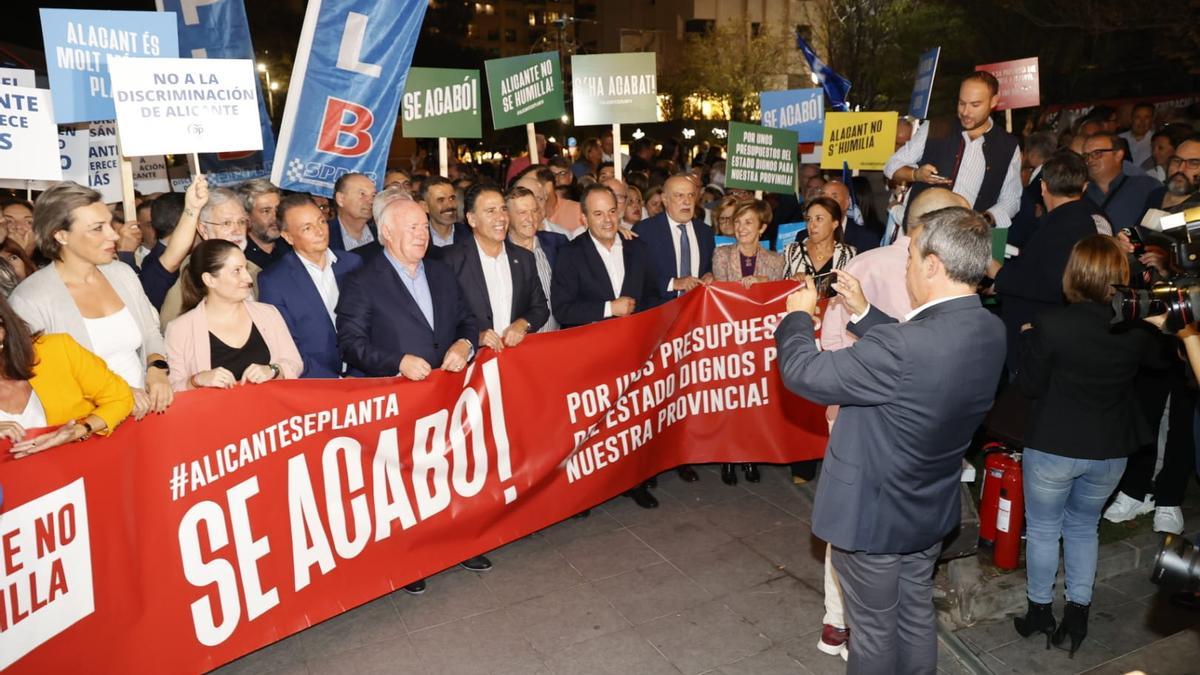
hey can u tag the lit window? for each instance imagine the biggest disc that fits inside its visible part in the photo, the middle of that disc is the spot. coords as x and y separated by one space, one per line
533 18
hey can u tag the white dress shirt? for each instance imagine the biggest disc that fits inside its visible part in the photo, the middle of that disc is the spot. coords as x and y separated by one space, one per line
614 264
1139 151
549 226
325 281
970 172
855 318
693 245
497 276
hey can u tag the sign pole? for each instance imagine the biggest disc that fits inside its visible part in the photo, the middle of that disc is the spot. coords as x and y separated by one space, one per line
29 191
1007 120
196 165
617 150
443 156
531 134
128 200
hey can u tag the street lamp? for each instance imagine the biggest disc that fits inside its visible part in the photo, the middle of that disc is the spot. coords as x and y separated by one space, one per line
272 87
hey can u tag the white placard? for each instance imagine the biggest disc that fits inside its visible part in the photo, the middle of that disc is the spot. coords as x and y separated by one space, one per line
17 77
150 175
28 135
179 106
73 145
104 163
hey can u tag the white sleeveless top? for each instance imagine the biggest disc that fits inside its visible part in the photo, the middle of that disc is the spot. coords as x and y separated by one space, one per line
116 338
32 417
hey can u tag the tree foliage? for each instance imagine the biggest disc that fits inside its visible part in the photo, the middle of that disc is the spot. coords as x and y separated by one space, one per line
728 66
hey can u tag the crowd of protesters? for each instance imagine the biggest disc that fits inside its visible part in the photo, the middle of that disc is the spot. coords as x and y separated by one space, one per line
109 315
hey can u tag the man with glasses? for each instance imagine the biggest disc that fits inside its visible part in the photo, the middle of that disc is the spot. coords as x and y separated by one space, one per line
621 192
223 217
395 178
1121 197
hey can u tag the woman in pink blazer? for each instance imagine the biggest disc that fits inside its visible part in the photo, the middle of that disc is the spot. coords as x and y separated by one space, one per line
747 261
223 337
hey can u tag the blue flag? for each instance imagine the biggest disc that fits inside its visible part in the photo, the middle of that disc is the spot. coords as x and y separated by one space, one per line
217 29
345 91
854 214
836 87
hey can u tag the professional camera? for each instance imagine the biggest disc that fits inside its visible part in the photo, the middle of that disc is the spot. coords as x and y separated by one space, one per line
1177 565
1179 297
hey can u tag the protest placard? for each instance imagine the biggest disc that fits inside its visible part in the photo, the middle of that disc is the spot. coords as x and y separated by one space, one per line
185 105
28 135
104 162
78 44
17 77
801 110
918 103
864 140
441 103
150 175
525 89
761 158
614 88
1020 85
788 233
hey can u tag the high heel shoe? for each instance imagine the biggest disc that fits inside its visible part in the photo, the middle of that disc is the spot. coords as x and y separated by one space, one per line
1074 625
728 474
1038 618
751 471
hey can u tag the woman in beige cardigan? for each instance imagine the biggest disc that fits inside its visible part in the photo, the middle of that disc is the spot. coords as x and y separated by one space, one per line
90 295
748 262
224 337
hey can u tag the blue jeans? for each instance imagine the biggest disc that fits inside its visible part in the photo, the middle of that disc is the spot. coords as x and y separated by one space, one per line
1064 497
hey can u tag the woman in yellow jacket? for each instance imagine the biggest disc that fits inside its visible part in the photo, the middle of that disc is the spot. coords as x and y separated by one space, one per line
52 381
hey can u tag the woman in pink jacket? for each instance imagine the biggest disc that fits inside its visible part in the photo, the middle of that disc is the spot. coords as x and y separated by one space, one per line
224 337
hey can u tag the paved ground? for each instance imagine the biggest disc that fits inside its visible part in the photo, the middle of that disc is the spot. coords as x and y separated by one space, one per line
722 580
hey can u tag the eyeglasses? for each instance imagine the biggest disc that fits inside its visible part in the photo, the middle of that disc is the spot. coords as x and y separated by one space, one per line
1192 163
1096 154
230 224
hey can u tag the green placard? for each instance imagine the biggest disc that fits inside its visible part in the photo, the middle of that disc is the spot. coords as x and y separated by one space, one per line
999 243
761 158
614 88
441 102
525 89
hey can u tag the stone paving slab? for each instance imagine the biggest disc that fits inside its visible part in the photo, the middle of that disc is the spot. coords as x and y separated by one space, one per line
720 581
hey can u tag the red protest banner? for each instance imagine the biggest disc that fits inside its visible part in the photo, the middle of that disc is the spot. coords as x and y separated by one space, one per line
1020 84
240 517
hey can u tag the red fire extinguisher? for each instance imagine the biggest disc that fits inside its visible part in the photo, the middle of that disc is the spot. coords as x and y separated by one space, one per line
996 457
1010 515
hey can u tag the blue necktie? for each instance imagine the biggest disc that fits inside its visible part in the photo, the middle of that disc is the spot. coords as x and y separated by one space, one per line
685 253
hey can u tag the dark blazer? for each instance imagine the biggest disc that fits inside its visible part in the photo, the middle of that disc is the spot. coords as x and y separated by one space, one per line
528 299
379 322
1032 281
912 395
1079 368
155 278
551 242
579 286
288 287
1025 223
337 243
656 233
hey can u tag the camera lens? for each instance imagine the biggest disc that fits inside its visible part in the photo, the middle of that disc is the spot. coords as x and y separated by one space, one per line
1177 565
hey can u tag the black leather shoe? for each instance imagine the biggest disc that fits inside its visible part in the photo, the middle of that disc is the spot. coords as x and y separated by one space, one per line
415 588
688 474
642 497
479 563
751 471
728 474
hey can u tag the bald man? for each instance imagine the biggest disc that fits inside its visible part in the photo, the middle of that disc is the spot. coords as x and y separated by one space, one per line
880 273
858 236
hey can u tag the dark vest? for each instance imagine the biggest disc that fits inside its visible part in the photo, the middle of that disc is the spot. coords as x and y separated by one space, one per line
942 147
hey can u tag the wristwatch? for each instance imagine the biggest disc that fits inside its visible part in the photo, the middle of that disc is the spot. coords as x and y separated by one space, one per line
161 365
87 428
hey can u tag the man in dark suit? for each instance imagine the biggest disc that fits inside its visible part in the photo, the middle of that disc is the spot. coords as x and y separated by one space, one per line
402 314
598 276
912 396
1039 147
441 203
524 216
305 284
353 229
498 278
1032 281
681 248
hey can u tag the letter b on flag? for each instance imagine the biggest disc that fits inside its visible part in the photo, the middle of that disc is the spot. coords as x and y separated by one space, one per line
345 128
